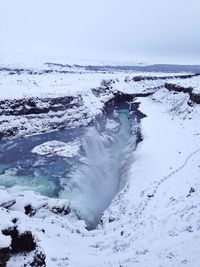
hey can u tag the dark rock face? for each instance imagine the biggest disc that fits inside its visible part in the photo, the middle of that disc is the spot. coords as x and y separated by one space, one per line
122 100
177 88
20 242
195 98
135 110
29 210
5 254
127 101
139 116
37 115
38 260
8 204
61 210
111 219
19 107
153 78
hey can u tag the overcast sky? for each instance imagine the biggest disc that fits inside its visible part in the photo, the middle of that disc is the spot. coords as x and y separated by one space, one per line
151 31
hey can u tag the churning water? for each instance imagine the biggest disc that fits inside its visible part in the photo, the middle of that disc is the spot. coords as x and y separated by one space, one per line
88 180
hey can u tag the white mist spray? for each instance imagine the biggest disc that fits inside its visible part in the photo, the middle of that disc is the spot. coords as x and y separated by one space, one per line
93 185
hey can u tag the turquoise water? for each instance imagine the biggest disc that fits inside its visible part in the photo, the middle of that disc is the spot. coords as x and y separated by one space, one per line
89 180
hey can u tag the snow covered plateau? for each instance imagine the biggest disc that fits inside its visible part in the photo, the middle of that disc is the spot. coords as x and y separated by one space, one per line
99 166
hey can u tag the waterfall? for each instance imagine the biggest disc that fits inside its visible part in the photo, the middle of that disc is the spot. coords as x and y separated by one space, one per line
94 183
90 179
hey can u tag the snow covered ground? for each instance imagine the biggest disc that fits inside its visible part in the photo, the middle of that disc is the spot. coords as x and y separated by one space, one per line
45 100
62 149
154 220
59 84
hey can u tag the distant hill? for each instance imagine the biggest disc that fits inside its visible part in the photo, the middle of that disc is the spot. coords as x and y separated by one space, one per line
148 68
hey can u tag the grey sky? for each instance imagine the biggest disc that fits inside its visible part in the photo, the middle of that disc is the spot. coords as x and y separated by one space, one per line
121 30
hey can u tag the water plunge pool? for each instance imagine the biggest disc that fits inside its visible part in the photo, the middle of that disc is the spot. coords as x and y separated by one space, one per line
88 172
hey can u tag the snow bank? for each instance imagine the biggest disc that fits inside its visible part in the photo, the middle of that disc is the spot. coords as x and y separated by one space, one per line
52 148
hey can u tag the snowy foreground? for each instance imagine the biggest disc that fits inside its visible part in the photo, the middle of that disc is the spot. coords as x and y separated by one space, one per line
153 221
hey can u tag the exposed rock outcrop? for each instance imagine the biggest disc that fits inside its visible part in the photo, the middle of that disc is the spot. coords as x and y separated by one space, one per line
153 78
19 107
5 254
20 242
194 97
38 260
6 200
